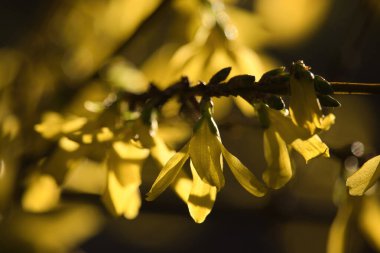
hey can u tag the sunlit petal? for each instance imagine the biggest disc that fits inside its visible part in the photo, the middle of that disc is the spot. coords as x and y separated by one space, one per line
205 154
161 154
201 199
118 198
337 239
365 177
68 145
127 150
311 148
279 170
243 175
41 195
50 125
369 220
285 127
304 108
168 173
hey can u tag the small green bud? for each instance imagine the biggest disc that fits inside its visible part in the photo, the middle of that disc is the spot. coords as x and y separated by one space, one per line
220 76
328 101
322 86
272 73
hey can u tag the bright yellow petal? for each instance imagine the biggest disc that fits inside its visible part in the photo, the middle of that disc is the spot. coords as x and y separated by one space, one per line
279 170
168 173
132 206
369 220
68 145
337 239
161 154
50 126
285 126
304 108
202 198
205 154
127 172
311 147
85 176
41 195
127 150
73 124
121 200
365 177
243 175
327 121
105 134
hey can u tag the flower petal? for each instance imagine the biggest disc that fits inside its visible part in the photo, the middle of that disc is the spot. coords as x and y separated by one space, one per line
42 194
201 199
127 150
365 177
161 154
337 239
122 200
279 170
168 173
369 220
304 108
285 126
311 147
127 172
243 175
205 154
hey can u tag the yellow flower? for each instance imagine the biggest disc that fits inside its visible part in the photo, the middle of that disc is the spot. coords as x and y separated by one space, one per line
305 110
205 151
281 135
365 177
122 194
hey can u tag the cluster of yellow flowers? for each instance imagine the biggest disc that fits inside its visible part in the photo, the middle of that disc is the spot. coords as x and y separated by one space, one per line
111 154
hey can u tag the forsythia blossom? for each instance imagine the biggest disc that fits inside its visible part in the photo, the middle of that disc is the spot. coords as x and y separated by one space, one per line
365 177
205 151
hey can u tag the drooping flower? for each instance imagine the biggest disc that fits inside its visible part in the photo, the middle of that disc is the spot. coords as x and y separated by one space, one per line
122 194
305 110
280 137
205 151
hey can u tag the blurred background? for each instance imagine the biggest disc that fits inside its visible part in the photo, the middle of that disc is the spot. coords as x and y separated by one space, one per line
56 55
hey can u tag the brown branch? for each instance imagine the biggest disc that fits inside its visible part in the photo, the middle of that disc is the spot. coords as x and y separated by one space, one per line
356 88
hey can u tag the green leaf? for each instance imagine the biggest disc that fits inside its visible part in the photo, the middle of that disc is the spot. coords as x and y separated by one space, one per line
220 76
242 80
272 73
322 86
328 101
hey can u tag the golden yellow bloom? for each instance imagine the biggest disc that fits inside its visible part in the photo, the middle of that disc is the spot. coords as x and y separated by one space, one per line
281 135
122 194
305 110
205 151
365 177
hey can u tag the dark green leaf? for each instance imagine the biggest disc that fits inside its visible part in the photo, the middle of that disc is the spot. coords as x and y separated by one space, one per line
272 73
328 101
322 86
220 76
242 80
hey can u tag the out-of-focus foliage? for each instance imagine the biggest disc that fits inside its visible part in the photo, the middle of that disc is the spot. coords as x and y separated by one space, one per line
53 191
